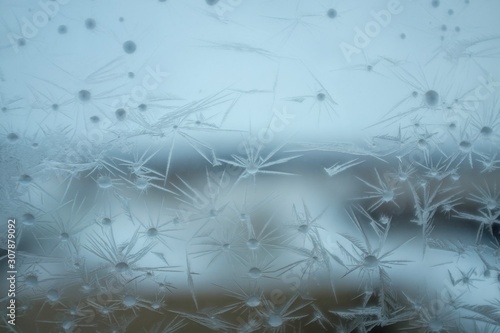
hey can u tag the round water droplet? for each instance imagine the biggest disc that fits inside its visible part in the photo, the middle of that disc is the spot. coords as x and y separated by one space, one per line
275 320
435 325
106 221
152 232
25 179
84 95
387 195
141 183
431 98
491 204
303 228
253 301
104 182
252 169
129 301
67 325
31 281
121 267
62 29
371 261
253 244
254 273
129 47
86 288
90 24
28 219
12 137
121 114
486 131
53 295
331 13
422 144
465 146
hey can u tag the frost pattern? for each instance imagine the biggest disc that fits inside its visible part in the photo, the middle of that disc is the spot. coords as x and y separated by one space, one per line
251 166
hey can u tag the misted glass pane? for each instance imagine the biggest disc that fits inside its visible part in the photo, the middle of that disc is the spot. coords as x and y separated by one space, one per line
250 166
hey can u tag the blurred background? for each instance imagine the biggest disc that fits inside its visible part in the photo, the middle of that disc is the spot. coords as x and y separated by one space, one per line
250 166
